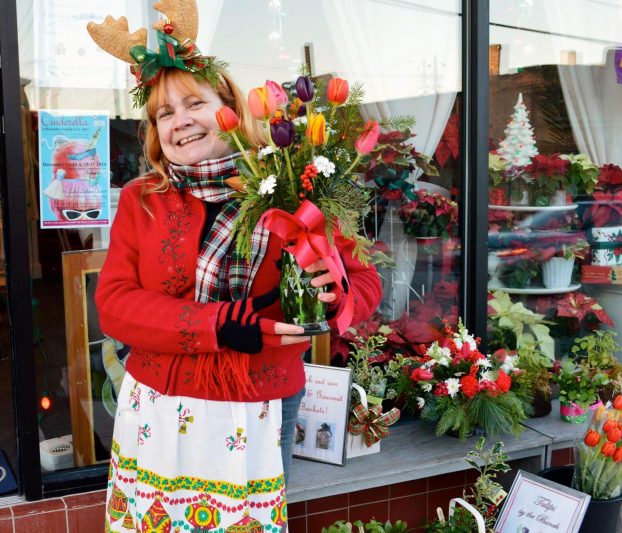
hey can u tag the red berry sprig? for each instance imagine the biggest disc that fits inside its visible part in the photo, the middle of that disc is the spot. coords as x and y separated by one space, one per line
306 177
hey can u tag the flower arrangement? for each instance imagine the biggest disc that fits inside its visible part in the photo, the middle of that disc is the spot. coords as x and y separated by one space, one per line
598 468
459 389
430 215
392 161
578 388
301 182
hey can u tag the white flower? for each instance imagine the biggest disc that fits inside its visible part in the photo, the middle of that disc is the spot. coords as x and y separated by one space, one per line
489 376
267 185
299 120
324 165
453 386
509 365
263 152
420 402
484 363
462 337
427 387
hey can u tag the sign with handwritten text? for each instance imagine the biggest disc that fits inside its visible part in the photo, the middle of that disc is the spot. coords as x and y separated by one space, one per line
323 415
537 505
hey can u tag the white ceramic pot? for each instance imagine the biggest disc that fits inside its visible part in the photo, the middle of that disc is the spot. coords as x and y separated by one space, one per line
559 197
557 272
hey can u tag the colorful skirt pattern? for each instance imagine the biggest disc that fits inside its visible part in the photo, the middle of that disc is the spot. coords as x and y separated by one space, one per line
185 464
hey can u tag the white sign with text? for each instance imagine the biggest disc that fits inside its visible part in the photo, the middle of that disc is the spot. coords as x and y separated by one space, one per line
323 415
537 505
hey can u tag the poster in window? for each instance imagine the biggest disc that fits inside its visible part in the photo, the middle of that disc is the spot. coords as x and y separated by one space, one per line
323 415
74 169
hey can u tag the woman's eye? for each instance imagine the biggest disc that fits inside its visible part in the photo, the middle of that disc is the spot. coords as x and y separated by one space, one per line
164 114
196 104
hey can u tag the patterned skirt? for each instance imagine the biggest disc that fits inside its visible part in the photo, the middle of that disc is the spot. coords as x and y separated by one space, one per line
186 464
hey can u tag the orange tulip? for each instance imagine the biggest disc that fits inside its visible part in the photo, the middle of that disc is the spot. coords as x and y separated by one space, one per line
316 129
614 434
617 402
337 92
610 424
592 438
261 102
608 448
227 119
617 456
367 140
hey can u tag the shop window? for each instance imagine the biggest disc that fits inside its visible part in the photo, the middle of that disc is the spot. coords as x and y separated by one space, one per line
554 175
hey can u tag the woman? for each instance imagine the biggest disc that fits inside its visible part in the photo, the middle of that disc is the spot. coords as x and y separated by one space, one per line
198 432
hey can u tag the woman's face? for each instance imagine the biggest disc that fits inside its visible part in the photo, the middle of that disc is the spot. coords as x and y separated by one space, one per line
187 126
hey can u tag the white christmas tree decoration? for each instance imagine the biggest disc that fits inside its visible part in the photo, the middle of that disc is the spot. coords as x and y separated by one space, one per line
519 145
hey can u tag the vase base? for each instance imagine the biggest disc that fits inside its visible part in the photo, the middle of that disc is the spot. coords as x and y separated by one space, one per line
315 328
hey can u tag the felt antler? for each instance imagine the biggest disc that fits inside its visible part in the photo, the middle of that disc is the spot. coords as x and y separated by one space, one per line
181 15
115 38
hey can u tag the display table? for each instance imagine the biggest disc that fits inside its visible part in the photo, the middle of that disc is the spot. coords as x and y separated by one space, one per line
412 451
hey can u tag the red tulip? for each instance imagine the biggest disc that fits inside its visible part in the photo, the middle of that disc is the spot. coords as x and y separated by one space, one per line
227 119
421 374
337 92
617 456
614 434
609 424
592 438
367 140
261 102
608 449
617 402
279 93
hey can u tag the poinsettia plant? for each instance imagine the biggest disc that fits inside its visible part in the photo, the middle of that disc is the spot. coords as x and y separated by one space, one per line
572 313
606 209
392 161
548 173
566 244
430 214
459 389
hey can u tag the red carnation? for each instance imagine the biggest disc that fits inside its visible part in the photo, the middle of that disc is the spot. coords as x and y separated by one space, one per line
441 389
490 386
504 382
469 386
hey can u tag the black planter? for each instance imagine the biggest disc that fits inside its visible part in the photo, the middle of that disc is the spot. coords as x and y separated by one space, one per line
542 404
601 515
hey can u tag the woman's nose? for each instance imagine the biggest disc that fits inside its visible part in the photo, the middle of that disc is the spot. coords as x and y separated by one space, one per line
182 120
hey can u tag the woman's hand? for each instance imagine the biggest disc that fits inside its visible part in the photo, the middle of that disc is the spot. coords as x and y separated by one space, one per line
333 293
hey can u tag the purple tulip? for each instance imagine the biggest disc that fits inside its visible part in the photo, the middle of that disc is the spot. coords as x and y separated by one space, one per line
304 89
282 133
302 110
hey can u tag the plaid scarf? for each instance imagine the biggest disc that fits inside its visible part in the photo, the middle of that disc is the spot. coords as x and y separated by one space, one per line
222 274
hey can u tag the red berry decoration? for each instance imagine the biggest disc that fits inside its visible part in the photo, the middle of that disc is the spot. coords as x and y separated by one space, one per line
168 28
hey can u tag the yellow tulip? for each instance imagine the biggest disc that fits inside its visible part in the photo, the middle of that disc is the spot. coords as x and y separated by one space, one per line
316 129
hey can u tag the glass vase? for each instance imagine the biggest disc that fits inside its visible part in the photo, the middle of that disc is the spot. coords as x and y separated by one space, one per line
299 301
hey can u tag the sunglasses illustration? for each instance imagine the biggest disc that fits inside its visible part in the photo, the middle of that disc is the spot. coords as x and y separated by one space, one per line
74 214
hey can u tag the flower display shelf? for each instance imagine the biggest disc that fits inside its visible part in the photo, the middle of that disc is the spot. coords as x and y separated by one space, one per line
534 208
534 290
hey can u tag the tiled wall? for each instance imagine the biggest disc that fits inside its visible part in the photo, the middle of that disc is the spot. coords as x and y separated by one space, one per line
411 501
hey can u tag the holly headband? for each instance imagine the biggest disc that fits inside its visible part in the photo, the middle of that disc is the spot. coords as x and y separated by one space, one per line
176 47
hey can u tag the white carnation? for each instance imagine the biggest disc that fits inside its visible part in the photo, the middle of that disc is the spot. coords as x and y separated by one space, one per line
324 165
483 363
420 402
427 387
453 386
267 185
263 152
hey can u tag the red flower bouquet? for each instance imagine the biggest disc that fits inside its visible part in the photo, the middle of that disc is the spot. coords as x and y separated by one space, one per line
430 215
459 389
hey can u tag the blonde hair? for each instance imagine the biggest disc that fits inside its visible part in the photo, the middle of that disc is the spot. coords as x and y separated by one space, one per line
187 84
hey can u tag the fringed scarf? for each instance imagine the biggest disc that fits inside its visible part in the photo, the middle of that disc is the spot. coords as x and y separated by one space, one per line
222 274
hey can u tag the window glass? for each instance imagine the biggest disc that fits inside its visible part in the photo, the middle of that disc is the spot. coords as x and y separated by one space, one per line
405 53
555 157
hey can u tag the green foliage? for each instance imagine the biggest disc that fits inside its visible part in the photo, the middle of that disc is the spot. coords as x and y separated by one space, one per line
597 350
372 526
577 384
496 415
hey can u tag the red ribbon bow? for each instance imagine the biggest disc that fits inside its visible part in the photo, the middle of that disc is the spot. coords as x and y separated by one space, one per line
372 423
305 235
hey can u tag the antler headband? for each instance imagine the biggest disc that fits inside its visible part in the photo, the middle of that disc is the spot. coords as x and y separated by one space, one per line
176 47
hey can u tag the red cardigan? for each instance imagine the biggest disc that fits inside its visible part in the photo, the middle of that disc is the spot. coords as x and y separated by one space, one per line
145 298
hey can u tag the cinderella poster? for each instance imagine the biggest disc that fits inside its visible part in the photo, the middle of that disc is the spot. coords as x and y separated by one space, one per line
74 164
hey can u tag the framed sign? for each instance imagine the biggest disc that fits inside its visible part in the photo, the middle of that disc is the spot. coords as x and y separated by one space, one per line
535 504
322 421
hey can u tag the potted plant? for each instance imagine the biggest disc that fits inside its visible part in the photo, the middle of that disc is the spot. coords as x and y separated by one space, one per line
519 266
598 469
373 526
372 383
535 378
429 215
606 208
596 352
460 390
558 252
498 182
578 389
582 174
549 179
